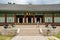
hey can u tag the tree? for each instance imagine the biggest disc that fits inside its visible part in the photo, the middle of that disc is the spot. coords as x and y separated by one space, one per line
9 3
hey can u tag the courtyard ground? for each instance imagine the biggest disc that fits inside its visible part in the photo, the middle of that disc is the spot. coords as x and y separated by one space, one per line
30 32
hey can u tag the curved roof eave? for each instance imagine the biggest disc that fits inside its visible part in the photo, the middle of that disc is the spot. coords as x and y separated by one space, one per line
15 7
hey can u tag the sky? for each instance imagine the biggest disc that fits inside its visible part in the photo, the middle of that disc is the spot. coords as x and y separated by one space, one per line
30 1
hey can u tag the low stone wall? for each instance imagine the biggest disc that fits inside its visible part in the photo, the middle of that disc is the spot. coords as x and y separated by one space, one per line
10 32
49 32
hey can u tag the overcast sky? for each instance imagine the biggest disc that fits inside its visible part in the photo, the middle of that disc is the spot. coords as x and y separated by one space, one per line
30 1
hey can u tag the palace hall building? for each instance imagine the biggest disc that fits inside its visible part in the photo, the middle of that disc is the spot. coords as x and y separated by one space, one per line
29 14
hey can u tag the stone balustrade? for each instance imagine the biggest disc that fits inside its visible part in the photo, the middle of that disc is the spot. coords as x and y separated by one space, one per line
10 32
48 32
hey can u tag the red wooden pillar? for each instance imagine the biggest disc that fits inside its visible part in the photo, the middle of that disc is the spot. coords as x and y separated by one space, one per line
43 17
53 17
24 18
15 19
5 18
34 19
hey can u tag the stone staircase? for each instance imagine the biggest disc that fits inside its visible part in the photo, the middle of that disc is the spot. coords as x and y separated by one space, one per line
29 26
29 32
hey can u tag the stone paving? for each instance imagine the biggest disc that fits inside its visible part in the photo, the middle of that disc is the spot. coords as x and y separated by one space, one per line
34 38
31 32
26 33
30 38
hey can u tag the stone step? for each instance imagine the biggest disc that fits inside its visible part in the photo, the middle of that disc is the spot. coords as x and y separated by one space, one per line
30 38
29 32
29 26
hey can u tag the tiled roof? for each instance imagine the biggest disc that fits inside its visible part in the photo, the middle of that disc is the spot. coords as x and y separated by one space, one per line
14 7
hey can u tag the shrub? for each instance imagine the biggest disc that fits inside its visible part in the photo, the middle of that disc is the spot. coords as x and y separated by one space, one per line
58 35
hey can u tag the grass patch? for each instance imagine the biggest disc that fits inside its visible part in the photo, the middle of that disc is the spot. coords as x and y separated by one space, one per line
58 35
6 37
51 39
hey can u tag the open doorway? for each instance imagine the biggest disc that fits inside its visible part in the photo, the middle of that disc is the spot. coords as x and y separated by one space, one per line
19 19
39 18
29 19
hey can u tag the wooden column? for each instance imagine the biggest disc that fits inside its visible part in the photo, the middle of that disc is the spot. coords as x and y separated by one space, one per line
24 18
15 19
5 18
34 19
53 17
43 17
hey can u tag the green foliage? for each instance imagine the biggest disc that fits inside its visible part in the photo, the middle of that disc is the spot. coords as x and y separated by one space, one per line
5 37
51 39
58 35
